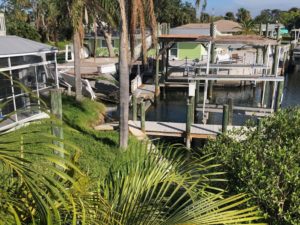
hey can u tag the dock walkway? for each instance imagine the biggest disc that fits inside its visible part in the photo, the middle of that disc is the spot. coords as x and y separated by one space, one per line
171 129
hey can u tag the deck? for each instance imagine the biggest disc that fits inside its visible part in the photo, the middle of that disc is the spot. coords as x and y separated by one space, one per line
171 129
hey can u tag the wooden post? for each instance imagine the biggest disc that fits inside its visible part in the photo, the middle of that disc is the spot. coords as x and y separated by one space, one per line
167 65
157 68
267 30
193 111
275 60
230 111
143 116
134 108
56 110
197 98
260 29
188 124
259 124
279 96
225 118
210 89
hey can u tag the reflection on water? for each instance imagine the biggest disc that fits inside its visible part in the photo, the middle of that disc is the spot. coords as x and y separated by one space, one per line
292 90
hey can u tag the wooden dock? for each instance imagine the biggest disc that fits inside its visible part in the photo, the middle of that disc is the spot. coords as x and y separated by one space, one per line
171 129
213 77
249 111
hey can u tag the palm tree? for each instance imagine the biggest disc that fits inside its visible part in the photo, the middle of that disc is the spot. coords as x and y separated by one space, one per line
137 9
243 15
148 185
247 27
201 10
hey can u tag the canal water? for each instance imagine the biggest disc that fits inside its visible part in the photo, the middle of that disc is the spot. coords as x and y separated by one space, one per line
173 107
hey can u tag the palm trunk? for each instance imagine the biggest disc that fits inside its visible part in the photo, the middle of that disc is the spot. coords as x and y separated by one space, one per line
124 77
108 39
78 84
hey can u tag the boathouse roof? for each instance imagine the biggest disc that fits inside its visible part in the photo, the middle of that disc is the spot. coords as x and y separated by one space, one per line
13 46
254 40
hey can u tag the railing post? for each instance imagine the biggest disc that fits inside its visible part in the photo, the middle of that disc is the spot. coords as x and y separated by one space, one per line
225 118
188 124
143 116
134 108
230 111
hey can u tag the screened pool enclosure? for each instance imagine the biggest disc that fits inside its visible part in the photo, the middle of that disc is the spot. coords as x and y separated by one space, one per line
28 70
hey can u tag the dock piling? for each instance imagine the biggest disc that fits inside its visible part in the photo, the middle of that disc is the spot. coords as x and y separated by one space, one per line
134 108
279 96
143 116
188 123
230 111
225 118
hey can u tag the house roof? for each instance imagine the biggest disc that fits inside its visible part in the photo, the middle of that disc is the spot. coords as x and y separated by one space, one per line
223 26
13 45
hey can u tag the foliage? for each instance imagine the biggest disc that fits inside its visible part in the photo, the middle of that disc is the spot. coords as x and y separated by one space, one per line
268 16
243 15
174 12
266 165
22 29
229 16
103 52
291 18
38 185
149 185
247 27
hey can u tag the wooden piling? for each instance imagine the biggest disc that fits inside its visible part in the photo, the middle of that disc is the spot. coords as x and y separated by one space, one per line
230 111
267 30
259 124
56 110
143 116
225 118
197 98
210 89
193 111
188 123
134 108
260 29
276 60
279 96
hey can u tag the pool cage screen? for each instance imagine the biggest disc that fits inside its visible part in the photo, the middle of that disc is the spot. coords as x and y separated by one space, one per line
23 80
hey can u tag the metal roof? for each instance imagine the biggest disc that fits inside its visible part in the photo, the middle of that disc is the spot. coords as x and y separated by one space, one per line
13 45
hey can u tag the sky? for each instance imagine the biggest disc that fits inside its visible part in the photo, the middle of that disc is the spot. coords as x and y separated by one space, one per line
220 7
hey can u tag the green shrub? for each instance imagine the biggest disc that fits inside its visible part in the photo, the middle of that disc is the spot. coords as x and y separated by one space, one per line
266 165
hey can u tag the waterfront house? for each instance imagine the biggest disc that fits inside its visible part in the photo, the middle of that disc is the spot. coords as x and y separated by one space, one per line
28 63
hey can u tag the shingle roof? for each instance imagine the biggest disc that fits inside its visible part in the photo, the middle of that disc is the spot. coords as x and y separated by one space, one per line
13 45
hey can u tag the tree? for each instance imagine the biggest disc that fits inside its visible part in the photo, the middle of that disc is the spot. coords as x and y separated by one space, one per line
229 16
201 7
243 15
291 18
137 15
265 164
174 12
247 27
